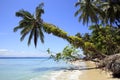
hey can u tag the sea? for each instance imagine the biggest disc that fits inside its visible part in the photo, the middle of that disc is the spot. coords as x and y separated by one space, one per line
41 68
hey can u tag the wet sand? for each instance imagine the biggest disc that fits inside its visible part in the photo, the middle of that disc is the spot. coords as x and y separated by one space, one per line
84 72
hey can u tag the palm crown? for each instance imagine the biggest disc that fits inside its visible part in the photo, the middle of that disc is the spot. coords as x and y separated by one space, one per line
88 11
98 11
31 24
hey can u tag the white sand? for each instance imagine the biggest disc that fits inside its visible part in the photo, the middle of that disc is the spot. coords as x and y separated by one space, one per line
95 74
90 74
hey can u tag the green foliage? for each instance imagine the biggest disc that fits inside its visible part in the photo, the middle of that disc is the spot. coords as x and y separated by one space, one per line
69 53
102 40
88 11
106 39
31 24
89 45
98 11
78 35
50 28
76 41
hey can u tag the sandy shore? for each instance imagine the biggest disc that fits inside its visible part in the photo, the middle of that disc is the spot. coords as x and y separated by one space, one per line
95 74
85 72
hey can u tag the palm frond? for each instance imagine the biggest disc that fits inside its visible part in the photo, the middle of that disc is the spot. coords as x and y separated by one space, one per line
87 11
24 14
30 37
41 34
77 4
77 12
24 22
39 10
35 36
31 24
17 27
81 8
27 29
23 36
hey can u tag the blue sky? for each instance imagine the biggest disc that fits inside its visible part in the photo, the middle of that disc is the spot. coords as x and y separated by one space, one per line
57 12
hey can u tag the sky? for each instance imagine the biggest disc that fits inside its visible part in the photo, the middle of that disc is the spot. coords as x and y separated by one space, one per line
57 12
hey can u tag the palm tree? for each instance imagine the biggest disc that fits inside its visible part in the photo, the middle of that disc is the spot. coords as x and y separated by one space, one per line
88 11
112 11
31 24
103 11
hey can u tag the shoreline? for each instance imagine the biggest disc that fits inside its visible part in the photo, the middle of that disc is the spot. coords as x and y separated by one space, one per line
70 74
84 72
66 75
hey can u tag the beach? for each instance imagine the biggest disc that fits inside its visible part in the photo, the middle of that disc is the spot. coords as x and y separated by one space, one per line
95 74
88 73
69 74
44 69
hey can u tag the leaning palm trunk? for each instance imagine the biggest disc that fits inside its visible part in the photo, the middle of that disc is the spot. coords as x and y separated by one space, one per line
112 64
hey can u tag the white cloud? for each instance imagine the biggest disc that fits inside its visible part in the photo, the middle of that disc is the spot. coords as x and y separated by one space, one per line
3 50
12 53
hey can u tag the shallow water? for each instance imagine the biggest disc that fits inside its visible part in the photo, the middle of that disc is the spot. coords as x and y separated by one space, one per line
29 69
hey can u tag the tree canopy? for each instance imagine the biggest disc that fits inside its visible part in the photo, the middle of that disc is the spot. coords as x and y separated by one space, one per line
99 11
102 41
31 24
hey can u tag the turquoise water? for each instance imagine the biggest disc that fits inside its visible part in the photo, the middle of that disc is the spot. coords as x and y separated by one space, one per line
29 69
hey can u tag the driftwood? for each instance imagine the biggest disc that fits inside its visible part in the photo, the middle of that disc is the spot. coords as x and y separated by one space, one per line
112 64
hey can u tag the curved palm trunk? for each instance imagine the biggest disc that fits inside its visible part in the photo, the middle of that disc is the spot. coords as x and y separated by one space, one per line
76 41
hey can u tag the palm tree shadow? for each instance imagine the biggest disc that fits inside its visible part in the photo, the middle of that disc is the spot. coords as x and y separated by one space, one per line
83 68
48 69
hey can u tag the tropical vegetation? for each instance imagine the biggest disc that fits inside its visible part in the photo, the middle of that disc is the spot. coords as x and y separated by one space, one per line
69 54
31 24
102 42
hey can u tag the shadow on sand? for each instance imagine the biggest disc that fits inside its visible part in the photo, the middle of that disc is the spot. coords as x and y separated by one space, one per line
49 69
63 68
